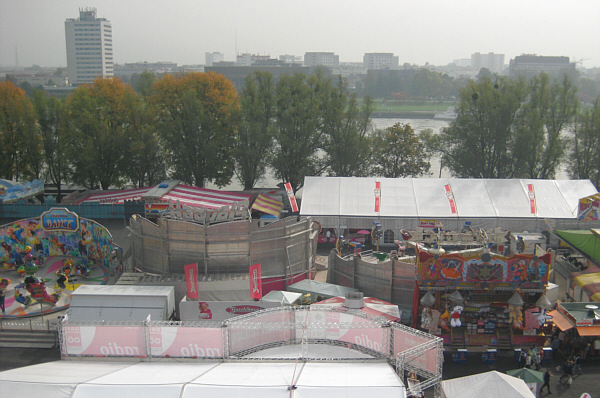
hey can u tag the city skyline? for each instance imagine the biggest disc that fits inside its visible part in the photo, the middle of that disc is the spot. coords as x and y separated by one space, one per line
438 32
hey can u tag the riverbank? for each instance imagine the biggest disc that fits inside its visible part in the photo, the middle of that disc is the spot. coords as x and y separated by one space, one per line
404 115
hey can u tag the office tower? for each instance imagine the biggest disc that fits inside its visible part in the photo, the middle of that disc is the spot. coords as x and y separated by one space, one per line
89 47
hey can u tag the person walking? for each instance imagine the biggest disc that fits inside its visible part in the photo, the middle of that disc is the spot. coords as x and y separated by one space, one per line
577 365
547 375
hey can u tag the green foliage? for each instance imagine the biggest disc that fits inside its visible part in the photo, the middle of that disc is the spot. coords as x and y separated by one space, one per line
346 126
479 141
584 159
99 133
20 152
196 116
298 121
256 131
52 124
398 152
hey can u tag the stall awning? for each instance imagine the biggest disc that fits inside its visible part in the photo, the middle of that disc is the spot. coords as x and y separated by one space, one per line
588 331
559 320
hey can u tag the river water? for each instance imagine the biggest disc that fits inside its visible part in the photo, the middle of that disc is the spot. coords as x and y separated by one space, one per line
378 123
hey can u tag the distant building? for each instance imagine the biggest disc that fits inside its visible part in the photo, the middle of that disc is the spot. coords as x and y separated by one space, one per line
314 59
291 59
380 61
237 74
493 62
125 71
211 58
531 65
89 47
251 59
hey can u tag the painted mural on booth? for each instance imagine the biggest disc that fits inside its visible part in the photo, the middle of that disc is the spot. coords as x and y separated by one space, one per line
483 270
90 241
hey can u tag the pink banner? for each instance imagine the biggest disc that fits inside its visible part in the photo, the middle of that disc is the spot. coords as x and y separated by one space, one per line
531 195
291 196
255 282
187 342
191 280
377 196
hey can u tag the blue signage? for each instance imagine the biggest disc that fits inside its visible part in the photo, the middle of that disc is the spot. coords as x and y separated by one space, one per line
60 219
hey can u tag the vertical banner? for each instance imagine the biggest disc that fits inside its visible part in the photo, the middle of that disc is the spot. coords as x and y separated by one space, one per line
450 196
291 197
531 195
255 282
191 280
377 196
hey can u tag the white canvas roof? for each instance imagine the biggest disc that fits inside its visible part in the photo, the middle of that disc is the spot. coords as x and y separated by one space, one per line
426 197
91 379
486 385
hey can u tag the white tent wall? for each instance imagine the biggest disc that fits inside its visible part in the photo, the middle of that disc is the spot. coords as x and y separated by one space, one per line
98 379
486 203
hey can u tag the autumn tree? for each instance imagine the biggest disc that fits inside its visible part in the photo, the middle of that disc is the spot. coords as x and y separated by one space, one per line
298 123
397 152
20 152
256 129
52 124
196 116
346 126
100 131
584 159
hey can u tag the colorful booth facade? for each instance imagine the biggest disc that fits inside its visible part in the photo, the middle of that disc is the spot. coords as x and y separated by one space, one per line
480 298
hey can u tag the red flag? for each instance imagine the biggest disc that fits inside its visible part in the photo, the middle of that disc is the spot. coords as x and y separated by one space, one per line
291 196
255 282
191 280
377 195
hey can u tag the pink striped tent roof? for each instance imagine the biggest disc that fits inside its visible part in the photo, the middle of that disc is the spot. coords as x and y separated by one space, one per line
115 197
203 197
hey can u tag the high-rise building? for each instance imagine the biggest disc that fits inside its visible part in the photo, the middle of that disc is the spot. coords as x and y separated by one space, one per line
89 47
493 62
380 61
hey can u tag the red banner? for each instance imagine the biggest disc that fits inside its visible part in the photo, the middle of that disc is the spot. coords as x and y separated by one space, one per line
377 195
291 196
450 197
191 280
531 195
255 282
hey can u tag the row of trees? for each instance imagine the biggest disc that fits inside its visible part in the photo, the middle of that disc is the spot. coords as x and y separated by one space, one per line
522 129
195 127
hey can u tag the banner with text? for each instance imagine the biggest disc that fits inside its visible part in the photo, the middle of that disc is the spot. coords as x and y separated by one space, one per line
255 282
191 280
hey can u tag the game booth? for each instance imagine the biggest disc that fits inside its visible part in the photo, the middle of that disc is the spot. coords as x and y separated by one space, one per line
43 259
480 298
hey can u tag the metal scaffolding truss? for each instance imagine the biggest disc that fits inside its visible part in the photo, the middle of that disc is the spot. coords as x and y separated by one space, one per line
328 334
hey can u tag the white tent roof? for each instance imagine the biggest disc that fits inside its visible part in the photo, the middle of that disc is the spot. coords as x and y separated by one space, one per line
91 379
486 385
426 197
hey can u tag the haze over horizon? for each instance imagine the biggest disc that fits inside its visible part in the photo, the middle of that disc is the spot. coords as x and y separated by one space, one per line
419 32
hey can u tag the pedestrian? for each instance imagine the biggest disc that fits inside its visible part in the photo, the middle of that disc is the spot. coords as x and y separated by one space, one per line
537 360
528 360
577 365
547 375
567 376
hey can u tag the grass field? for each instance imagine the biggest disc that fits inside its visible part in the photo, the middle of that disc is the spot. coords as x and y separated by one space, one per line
395 106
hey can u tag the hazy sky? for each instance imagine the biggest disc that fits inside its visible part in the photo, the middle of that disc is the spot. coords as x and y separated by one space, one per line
418 31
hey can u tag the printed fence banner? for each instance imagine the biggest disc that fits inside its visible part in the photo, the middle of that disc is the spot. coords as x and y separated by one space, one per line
186 342
105 341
